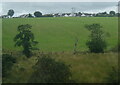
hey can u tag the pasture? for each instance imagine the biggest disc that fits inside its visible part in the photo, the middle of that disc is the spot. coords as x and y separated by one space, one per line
59 34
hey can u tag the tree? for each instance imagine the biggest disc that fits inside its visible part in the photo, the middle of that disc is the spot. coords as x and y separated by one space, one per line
112 13
30 15
48 70
48 15
11 12
117 14
68 14
104 13
38 14
96 43
25 38
79 13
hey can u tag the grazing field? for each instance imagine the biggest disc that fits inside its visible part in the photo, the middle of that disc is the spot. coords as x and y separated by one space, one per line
56 37
59 34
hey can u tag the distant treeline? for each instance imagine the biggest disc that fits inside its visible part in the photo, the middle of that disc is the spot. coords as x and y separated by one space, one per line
79 14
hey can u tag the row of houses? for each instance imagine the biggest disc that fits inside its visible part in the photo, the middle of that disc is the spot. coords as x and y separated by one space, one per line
4 16
72 15
21 16
53 15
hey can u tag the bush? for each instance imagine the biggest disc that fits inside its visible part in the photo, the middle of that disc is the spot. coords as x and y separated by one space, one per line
7 63
96 44
47 70
113 76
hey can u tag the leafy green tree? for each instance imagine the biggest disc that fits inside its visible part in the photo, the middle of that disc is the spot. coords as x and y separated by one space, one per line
97 43
48 15
105 13
7 63
112 13
25 38
48 70
117 14
30 15
68 14
38 14
11 12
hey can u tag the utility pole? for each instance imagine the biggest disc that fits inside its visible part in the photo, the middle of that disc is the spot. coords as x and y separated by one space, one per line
73 11
119 7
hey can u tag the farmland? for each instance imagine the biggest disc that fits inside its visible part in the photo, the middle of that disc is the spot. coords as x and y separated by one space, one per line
56 36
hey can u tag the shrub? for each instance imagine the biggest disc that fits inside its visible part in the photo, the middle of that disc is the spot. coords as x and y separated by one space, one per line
7 63
113 76
96 44
47 70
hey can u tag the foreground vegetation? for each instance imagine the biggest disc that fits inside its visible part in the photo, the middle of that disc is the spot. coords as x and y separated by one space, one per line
85 67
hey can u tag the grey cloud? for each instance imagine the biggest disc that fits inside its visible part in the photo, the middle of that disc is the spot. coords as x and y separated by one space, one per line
54 7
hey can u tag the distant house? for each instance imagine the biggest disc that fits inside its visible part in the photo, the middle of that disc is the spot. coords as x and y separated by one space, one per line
70 15
66 15
83 15
24 16
56 15
4 16
62 15
88 15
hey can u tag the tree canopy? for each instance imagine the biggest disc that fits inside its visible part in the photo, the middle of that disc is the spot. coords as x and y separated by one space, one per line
37 14
96 43
10 12
112 13
48 70
25 38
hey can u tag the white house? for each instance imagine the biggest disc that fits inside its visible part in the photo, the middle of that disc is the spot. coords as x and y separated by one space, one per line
83 15
4 16
24 16
66 15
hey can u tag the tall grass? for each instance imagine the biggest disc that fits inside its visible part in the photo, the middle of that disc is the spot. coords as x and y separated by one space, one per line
85 68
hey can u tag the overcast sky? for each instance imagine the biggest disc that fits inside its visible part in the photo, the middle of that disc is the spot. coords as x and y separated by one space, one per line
56 7
59 0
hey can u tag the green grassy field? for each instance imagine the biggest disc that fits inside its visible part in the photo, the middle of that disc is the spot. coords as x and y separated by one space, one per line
58 34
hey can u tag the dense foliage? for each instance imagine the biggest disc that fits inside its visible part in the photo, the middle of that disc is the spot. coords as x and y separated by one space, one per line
11 12
47 70
38 14
96 44
113 76
25 38
7 63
